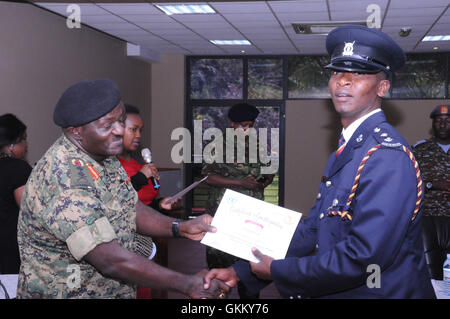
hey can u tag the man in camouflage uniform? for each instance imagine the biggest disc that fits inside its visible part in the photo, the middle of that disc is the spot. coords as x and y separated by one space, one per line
244 177
80 214
434 160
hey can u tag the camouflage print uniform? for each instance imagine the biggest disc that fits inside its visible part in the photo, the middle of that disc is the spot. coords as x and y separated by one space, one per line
72 204
217 258
434 165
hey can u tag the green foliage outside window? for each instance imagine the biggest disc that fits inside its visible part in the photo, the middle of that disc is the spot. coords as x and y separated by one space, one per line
422 77
216 78
265 78
307 78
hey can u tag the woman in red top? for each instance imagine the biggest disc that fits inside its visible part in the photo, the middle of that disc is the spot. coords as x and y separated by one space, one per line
140 174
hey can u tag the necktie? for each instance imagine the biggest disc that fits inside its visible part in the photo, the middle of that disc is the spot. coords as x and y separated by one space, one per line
341 145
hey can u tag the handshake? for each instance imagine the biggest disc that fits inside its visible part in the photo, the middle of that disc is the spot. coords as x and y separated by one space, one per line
218 282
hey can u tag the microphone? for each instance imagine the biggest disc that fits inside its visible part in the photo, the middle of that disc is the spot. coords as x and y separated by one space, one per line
147 156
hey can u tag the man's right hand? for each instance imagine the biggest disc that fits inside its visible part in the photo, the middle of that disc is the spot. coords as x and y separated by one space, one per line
216 289
227 275
250 183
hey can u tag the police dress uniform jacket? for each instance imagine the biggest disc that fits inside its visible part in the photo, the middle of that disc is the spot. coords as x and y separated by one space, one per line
381 232
70 205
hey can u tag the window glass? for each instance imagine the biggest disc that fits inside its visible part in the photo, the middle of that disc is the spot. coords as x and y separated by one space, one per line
265 78
216 78
216 117
422 77
307 78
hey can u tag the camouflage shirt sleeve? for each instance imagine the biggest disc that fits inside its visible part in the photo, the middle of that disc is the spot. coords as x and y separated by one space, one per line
76 217
215 169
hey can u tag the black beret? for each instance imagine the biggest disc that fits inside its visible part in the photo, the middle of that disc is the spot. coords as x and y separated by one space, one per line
439 110
357 48
243 112
86 101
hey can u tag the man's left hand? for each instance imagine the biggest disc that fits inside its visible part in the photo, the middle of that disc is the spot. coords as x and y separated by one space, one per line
169 206
196 229
261 269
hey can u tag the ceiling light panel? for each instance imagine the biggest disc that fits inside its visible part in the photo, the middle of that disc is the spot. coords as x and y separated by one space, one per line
230 42
188 8
441 37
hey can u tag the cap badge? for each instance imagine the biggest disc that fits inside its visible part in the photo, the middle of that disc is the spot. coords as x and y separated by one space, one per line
444 109
348 49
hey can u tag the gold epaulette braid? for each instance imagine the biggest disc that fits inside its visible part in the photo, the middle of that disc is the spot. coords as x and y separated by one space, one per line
345 215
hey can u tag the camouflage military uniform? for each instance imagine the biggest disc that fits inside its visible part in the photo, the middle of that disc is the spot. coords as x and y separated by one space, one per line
217 258
434 165
72 204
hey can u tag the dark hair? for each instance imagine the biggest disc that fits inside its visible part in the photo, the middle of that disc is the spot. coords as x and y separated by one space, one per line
130 109
12 130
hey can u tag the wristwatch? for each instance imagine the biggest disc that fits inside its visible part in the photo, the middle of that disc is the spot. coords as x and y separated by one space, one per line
429 185
175 229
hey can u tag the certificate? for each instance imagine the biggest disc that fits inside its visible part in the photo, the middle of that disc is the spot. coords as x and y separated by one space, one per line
185 191
244 222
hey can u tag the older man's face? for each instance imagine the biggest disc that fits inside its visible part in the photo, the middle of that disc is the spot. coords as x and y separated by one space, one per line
104 137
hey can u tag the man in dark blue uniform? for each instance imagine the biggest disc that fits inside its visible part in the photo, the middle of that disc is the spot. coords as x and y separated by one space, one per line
362 238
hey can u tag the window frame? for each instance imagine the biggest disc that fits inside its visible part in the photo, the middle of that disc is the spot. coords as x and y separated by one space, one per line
281 103
191 103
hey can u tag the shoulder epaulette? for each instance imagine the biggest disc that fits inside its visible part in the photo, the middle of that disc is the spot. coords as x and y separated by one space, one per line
80 174
385 140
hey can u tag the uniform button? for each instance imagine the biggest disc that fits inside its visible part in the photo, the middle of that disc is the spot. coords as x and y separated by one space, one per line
376 130
328 184
335 202
319 196
321 215
89 220
317 246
